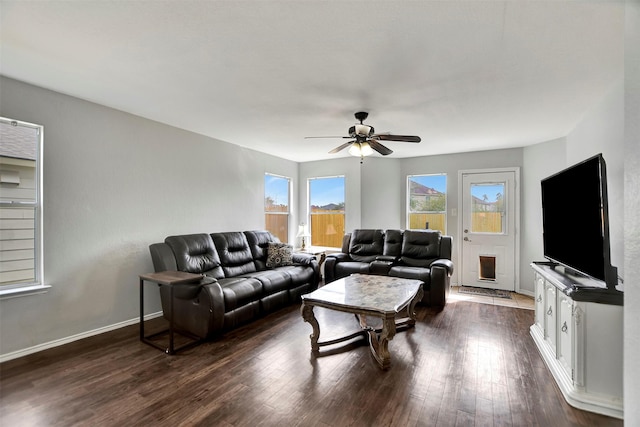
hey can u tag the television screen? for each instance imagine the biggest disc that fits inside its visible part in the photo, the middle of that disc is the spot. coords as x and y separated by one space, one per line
575 219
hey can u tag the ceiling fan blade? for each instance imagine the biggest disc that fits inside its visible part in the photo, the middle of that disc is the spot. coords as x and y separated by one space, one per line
402 138
342 147
379 147
328 137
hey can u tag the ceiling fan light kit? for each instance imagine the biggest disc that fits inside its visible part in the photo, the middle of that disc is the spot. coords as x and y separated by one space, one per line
363 130
366 141
360 149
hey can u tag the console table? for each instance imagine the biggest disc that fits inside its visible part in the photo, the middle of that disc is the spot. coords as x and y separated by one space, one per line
171 279
320 252
578 329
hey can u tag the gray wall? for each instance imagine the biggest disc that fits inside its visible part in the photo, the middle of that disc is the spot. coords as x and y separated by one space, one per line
600 131
541 160
451 164
113 184
631 217
376 189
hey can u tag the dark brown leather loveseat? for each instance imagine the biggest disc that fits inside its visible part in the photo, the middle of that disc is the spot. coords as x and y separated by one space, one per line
412 254
237 284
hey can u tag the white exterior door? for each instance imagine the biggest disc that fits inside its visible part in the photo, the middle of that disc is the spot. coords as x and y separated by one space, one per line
489 219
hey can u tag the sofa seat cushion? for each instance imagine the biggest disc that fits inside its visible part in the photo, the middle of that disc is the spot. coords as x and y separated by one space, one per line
344 269
239 291
417 273
272 280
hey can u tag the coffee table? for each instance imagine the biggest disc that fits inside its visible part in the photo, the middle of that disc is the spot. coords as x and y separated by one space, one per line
365 295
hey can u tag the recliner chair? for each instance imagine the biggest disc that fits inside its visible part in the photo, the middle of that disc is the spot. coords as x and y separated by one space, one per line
412 254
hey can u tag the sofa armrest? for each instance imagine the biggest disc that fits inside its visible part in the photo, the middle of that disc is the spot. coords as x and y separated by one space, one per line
198 308
380 267
440 272
302 258
447 264
330 265
338 257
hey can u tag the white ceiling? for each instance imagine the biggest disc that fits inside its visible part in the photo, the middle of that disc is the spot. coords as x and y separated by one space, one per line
464 76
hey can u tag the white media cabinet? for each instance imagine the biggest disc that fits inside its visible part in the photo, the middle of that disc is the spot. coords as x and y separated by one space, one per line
578 330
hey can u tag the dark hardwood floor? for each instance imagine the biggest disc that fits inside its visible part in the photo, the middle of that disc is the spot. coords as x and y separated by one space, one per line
470 364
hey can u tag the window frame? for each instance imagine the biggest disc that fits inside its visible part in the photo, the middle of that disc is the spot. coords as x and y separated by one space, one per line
310 214
288 212
36 286
409 210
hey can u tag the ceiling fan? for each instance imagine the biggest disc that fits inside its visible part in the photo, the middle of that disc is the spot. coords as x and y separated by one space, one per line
364 140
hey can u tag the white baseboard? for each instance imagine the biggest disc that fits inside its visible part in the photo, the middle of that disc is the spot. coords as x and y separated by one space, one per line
55 343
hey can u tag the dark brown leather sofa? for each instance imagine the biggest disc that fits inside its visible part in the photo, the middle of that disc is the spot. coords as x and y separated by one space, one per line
237 285
412 254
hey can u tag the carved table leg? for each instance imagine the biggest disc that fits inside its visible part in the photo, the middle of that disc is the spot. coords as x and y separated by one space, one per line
411 310
308 316
379 342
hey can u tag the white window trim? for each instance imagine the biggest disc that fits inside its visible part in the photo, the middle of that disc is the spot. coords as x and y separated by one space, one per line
408 200
289 201
308 207
37 287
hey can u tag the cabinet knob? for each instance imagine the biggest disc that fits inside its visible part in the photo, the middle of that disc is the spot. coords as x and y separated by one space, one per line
539 298
550 311
564 327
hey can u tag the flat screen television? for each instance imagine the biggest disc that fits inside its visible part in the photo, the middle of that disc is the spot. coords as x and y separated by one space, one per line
575 220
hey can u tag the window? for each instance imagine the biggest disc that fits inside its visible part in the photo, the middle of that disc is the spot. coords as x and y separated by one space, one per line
488 208
276 206
20 206
326 208
427 196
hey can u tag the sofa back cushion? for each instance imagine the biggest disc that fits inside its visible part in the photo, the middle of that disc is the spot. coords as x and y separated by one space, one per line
195 253
259 244
420 247
235 253
392 243
366 245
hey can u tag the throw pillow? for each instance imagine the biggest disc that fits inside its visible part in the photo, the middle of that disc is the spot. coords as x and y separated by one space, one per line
279 254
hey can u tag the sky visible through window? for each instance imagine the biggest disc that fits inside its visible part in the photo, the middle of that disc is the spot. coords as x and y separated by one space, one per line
489 190
277 188
324 191
437 182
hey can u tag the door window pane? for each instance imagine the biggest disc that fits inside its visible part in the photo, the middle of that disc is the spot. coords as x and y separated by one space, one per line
427 195
327 211
488 208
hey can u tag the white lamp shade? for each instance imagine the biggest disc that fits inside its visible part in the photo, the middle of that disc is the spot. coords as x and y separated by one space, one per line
302 231
363 130
360 149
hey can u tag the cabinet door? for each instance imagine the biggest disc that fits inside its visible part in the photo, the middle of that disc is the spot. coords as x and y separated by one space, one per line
565 333
550 315
539 298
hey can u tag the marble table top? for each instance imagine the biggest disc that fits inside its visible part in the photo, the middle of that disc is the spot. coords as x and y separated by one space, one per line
371 292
